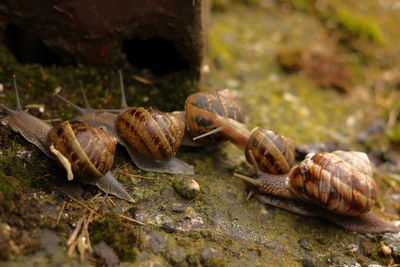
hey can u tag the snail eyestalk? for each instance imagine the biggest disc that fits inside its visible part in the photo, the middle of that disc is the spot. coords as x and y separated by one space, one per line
63 99
9 110
252 181
254 163
220 103
19 107
87 104
124 105
217 130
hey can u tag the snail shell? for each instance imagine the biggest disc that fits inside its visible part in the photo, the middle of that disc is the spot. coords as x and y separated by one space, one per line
330 181
89 150
273 153
359 160
152 132
201 109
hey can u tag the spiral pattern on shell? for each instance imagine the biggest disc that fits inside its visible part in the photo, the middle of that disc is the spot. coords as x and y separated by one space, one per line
89 150
201 109
327 180
273 153
152 132
359 160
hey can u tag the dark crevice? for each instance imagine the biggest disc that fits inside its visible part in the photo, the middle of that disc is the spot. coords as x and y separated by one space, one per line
157 54
27 47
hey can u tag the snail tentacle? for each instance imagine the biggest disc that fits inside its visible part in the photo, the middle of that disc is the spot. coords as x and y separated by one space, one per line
124 105
78 108
85 100
19 107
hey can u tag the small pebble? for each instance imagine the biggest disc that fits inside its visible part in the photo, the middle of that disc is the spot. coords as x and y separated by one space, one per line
352 248
386 250
271 244
177 254
157 242
392 240
167 192
169 227
143 256
187 187
305 243
49 240
178 207
5 230
208 254
308 261
322 240
107 253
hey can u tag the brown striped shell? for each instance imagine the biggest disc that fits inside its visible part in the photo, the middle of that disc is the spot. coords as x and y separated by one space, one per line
89 150
330 181
359 160
273 153
201 109
152 132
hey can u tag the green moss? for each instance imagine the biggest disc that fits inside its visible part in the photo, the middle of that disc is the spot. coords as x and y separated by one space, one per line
215 263
121 235
290 58
361 26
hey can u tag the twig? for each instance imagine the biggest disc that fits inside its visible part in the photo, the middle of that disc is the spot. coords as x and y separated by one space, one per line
80 203
130 219
53 120
96 196
136 175
72 247
141 79
60 213
76 231
111 201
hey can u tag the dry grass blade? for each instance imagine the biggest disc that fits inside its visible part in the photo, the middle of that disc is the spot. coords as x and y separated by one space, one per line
75 233
81 203
141 79
60 213
130 219
135 175
53 120
111 201
96 196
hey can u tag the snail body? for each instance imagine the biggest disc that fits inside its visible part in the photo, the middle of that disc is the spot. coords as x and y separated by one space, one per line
159 132
82 150
325 185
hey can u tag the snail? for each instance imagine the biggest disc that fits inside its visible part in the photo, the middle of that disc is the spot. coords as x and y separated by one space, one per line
82 150
200 111
274 153
337 186
150 136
